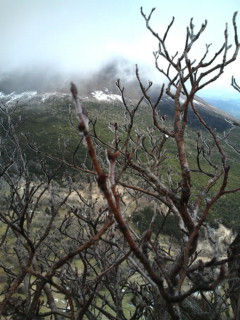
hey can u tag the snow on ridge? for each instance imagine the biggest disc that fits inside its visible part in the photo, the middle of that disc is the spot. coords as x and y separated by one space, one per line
17 96
27 96
202 103
199 103
205 104
102 96
48 95
33 96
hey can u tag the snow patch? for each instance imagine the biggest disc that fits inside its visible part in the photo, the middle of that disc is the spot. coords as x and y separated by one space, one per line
105 96
52 95
199 103
29 96
14 97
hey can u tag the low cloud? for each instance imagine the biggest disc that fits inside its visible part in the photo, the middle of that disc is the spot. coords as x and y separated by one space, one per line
48 79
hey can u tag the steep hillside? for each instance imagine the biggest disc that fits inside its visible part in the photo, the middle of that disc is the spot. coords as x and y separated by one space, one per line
48 121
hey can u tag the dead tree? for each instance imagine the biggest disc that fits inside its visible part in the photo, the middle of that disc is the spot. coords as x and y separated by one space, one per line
235 85
82 259
186 77
62 255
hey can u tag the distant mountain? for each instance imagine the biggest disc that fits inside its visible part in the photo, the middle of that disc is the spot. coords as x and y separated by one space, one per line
231 106
217 118
48 121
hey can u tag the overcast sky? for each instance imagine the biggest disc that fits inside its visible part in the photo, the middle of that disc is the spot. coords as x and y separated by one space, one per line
78 35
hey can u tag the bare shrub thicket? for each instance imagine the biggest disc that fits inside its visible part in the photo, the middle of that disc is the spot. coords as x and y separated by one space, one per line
69 249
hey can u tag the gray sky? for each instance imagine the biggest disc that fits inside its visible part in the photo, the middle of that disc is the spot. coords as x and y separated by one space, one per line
77 35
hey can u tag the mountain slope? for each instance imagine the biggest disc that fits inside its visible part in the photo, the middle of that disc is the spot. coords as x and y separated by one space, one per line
229 105
49 122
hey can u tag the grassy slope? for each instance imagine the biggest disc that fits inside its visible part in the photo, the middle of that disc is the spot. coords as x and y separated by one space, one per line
49 126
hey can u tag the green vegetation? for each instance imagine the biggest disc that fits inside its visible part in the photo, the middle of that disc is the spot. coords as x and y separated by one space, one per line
52 127
164 224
